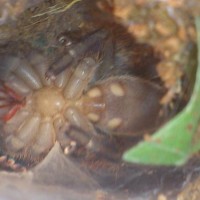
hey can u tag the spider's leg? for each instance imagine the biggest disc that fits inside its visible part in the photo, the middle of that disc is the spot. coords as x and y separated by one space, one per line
75 52
72 137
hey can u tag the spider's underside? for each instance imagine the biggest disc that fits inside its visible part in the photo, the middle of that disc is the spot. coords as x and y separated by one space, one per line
37 111
96 91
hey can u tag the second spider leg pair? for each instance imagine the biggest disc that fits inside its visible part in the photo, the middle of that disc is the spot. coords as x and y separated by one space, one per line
91 45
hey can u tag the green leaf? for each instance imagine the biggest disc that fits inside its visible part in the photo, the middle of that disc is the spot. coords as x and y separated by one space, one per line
174 143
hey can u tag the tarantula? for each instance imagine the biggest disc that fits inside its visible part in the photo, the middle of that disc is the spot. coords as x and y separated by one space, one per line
82 99
100 89
40 106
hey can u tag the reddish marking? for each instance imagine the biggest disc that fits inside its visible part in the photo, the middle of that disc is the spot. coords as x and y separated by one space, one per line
12 93
11 112
15 101
4 106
